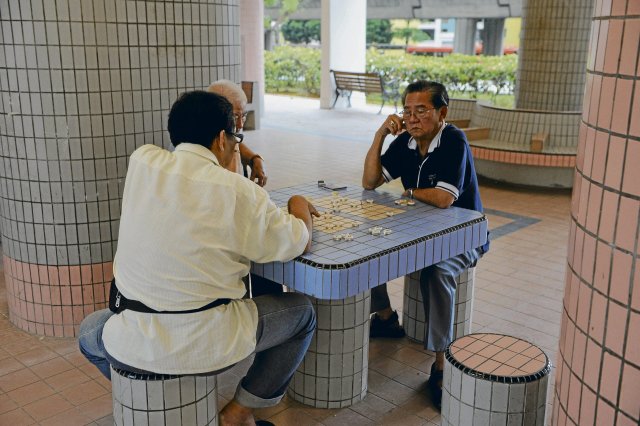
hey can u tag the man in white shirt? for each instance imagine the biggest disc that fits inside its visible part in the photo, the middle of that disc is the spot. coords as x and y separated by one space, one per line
189 229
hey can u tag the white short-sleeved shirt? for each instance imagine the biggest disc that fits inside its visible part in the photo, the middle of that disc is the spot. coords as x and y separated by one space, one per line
188 231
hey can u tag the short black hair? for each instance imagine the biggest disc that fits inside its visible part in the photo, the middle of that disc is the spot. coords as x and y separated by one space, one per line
198 117
439 95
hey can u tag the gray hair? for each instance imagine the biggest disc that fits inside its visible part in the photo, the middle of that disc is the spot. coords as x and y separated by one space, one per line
230 90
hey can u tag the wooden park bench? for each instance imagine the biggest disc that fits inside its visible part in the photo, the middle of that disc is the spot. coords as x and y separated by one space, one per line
347 82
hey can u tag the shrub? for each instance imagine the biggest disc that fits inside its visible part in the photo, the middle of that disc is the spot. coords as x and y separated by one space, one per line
292 70
297 70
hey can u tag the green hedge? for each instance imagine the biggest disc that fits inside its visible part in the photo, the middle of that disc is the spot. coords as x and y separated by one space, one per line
292 70
297 70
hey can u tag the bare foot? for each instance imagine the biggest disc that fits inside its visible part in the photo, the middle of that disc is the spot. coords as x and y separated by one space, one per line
234 414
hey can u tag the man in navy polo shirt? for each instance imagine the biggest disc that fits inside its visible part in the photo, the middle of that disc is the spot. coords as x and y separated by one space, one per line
433 161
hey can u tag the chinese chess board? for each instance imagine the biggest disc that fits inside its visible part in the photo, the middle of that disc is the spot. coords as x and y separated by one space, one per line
335 209
366 209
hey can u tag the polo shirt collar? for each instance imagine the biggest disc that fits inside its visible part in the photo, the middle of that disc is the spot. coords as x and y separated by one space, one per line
198 150
435 143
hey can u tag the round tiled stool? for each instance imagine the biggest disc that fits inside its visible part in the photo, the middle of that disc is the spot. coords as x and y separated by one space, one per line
163 400
413 319
494 379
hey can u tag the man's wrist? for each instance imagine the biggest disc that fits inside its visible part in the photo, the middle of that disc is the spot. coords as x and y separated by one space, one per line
252 159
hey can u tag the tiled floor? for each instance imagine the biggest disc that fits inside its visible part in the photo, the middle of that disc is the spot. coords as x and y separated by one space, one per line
519 290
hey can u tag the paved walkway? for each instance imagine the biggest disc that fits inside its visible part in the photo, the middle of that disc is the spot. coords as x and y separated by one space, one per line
519 289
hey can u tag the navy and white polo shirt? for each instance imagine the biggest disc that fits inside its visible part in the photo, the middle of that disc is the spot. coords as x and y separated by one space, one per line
447 166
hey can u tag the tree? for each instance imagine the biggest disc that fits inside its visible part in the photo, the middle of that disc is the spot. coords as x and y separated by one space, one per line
409 33
296 31
379 31
272 28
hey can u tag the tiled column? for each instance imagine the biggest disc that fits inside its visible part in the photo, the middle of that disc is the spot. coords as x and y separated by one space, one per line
333 373
464 39
598 366
343 32
553 54
493 37
252 44
82 84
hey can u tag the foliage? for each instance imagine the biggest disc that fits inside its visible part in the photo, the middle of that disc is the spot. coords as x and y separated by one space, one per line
409 33
287 7
297 70
292 70
298 31
460 73
379 31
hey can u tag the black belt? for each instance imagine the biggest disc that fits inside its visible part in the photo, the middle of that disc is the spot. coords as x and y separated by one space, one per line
118 303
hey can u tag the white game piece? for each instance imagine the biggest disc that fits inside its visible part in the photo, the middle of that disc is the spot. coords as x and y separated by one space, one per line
370 201
337 237
411 203
348 237
389 214
386 232
397 202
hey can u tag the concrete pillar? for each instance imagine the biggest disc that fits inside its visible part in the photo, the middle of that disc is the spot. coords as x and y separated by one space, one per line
252 44
464 39
597 379
83 84
343 33
493 37
553 54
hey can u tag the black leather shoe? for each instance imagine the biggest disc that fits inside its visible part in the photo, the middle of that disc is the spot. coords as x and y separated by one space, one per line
386 328
434 384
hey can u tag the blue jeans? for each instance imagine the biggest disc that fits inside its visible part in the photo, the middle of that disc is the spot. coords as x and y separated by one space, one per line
286 323
438 287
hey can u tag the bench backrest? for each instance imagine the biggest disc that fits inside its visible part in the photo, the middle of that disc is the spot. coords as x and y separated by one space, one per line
359 82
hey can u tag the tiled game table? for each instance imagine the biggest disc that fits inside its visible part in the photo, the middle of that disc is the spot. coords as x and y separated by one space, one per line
340 273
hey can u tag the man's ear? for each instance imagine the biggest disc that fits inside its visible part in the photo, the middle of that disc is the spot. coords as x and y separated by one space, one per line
219 142
443 112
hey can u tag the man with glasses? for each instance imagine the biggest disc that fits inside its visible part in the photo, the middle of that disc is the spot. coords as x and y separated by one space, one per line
189 229
433 160
244 155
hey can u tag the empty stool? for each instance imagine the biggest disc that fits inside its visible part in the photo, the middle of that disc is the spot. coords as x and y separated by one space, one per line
413 319
494 379
163 400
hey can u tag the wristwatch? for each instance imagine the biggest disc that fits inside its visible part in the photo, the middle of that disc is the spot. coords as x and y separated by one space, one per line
410 193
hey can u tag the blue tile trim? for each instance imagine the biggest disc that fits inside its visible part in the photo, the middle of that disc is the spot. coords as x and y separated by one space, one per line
519 222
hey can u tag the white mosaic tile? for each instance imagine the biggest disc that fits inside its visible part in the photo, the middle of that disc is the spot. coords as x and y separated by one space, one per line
173 401
413 318
492 379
